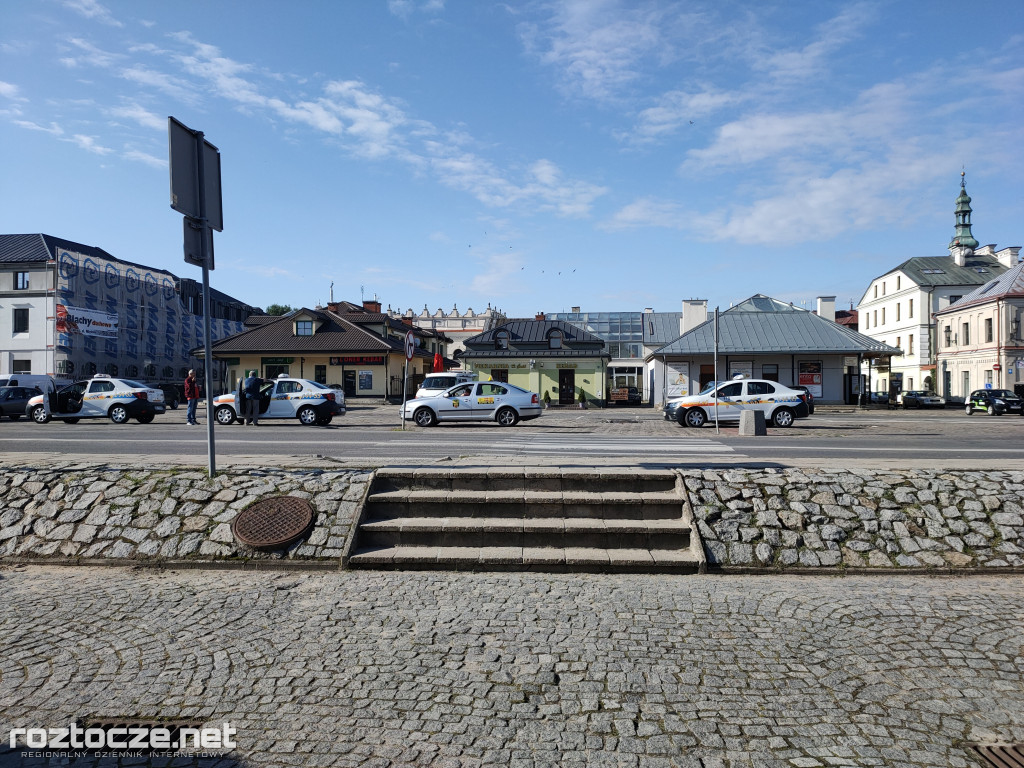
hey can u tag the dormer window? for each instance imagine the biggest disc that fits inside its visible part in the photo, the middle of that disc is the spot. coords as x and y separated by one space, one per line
501 340
555 340
303 327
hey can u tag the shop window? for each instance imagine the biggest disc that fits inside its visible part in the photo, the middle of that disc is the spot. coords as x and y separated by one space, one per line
320 374
770 372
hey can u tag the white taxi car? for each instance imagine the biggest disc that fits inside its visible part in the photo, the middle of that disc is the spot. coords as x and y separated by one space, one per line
310 402
117 399
728 399
476 401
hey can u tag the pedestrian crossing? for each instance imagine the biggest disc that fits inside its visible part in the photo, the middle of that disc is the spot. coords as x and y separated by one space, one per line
606 445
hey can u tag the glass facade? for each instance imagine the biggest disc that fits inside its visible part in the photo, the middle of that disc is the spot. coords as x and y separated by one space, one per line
622 331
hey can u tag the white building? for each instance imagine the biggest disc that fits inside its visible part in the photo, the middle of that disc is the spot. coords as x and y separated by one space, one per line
898 307
457 326
980 341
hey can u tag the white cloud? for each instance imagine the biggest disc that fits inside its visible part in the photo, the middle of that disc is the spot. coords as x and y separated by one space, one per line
647 212
177 88
89 55
8 90
404 9
143 157
811 60
676 110
140 115
53 129
88 143
93 10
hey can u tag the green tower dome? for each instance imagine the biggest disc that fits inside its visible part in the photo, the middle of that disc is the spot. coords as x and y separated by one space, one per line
962 237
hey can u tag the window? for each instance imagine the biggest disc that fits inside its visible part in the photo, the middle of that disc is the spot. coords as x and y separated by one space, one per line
967 334
501 340
21 366
883 315
897 311
947 336
988 329
288 387
21 281
897 282
910 308
149 370
955 299
770 372
910 344
555 340
492 390
101 386
883 289
110 369
21 320
988 378
867 320
131 371
876 291
898 340
320 374
303 327
759 388
874 321
731 390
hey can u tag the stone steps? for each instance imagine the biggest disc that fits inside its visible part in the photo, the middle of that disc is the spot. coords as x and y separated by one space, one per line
526 519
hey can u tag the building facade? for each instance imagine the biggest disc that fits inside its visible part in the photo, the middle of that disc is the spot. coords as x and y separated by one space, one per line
553 358
70 310
456 326
764 338
979 337
898 307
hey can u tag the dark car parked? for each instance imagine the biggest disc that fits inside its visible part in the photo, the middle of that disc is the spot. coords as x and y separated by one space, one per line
809 398
174 394
994 402
14 399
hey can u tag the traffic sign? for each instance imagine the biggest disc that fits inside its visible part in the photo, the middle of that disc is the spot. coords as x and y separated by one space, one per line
410 344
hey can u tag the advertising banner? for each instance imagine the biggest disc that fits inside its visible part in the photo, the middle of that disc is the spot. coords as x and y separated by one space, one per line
810 376
88 322
677 380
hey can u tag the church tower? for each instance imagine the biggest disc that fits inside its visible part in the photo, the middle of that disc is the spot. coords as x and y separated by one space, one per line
963 243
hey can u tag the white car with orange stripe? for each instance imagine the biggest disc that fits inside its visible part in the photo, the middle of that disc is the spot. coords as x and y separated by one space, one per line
726 400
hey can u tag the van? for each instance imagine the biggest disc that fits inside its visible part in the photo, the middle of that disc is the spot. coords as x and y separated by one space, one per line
436 383
42 383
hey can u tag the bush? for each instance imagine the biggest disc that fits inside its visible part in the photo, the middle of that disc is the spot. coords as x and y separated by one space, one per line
546 398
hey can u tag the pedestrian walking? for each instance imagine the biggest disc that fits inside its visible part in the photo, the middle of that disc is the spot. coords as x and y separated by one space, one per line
192 396
251 394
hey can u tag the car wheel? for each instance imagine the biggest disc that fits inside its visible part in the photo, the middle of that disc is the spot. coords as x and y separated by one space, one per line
224 415
71 421
39 415
174 404
783 417
507 417
424 417
695 417
969 410
993 411
118 414
681 418
307 416
148 418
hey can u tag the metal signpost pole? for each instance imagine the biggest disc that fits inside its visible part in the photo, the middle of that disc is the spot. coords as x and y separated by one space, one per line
716 372
206 237
410 347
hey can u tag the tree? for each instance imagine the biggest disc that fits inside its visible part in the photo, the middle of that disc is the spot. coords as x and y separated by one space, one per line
278 309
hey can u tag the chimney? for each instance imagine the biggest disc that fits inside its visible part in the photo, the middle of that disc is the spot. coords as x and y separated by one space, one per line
695 312
333 306
539 316
576 310
648 310
371 305
1008 256
827 308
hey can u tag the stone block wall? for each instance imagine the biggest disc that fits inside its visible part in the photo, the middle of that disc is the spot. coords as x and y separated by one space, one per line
794 518
101 513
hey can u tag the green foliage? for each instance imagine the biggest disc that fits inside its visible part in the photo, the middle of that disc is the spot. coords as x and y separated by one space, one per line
278 309
546 398
583 396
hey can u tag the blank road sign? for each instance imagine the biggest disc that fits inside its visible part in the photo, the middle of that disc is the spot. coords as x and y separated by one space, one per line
184 159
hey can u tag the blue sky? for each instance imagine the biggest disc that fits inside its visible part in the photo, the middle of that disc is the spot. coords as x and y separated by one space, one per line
531 155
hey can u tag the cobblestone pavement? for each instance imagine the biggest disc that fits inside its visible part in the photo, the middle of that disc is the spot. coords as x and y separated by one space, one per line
525 670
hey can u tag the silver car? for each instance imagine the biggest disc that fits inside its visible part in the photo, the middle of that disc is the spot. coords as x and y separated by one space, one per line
476 401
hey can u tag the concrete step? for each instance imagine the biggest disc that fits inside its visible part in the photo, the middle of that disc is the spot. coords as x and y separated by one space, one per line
552 559
522 479
526 532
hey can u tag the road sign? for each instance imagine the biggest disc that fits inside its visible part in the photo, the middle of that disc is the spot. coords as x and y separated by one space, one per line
184 162
410 344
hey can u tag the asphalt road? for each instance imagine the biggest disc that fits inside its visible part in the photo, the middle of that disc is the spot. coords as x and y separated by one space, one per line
374 433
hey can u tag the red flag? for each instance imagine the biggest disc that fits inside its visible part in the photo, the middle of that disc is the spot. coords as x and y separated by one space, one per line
438 363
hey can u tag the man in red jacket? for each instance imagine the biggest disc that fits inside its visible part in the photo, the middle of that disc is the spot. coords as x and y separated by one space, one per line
192 395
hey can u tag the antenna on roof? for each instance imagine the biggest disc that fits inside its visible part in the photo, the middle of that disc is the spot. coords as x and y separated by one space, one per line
332 291
362 292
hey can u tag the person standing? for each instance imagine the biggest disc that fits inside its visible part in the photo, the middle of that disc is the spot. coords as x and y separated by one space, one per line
251 395
192 396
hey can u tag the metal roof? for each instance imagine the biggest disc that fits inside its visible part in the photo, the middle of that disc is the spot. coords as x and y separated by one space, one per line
534 332
763 325
661 327
1008 284
942 270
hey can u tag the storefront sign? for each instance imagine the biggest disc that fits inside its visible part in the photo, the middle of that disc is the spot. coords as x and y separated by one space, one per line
565 365
277 360
357 360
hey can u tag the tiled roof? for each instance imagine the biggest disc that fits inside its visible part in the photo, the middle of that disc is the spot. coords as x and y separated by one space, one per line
534 332
1008 284
334 334
762 325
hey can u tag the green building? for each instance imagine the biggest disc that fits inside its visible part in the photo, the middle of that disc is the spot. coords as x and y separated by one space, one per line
542 356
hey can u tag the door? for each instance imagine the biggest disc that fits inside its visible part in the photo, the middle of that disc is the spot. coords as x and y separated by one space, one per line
456 404
707 375
349 383
730 402
499 374
98 399
489 399
281 405
967 384
566 386
760 396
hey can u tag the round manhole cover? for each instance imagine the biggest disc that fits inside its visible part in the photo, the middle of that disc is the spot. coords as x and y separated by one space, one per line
273 523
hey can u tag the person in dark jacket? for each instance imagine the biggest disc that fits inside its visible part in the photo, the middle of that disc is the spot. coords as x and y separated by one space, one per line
192 396
251 396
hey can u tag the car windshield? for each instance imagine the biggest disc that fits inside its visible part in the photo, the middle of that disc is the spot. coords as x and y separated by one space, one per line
930 394
318 385
708 387
133 384
1002 393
